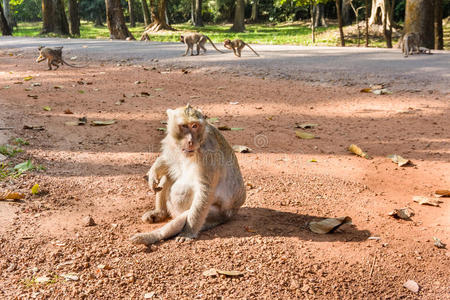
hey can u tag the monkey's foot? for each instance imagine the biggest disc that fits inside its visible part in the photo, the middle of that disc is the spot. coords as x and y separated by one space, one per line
185 237
154 216
144 239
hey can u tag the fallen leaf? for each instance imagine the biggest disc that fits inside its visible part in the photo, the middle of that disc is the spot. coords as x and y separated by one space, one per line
159 89
102 123
24 166
33 127
259 107
73 58
400 161
304 135
412 286
438 243
68 112
28 89
366 90
234 102
57 87
8 195
70 277
312 160
80 92
42 279
36 84
241 149
149 295
248 229
161 129
306 125
6 87
2 157
194 97
35 189
28 78
18 82
376 86
145 94
224 127
47 108
356 150
328 225
33 96
213 120
442 193
402 213
236 128
381 92
426 201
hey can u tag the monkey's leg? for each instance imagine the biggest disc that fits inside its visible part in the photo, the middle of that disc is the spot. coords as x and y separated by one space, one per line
215 217
235 53
55 64
187 50
160 213
203 47
198 48
49 62
239 52
169 230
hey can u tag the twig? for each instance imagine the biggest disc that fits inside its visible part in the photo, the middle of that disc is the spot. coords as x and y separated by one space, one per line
373 266
6 128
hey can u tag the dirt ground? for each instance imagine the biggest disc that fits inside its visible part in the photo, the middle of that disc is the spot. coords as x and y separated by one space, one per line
98 171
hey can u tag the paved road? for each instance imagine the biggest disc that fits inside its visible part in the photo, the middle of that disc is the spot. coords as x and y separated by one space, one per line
335 65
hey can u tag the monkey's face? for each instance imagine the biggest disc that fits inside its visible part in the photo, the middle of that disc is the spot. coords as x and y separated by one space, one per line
227 44
191 137
182 39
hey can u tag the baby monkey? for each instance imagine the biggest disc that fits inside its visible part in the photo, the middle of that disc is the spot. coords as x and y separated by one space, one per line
237 45
196 39
53 57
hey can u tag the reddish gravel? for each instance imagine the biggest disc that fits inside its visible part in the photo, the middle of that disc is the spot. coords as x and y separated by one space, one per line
98 171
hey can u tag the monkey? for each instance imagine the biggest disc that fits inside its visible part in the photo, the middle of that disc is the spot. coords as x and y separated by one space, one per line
196 39
237 45
53 56
411 43
196 179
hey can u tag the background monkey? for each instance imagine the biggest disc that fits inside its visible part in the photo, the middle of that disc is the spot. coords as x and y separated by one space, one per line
196 39
197 179
237 45
53 56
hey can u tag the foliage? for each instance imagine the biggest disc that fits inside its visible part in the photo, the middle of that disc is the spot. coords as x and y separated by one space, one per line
90 10
9 150
29 10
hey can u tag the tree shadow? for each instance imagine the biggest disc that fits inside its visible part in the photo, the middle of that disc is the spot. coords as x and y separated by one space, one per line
266 222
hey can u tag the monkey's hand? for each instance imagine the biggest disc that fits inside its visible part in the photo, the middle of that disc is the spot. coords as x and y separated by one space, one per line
154 181
145 238
154 216
185 237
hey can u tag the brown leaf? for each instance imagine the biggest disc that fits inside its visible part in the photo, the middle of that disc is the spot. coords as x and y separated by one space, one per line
215 272
9 195
442 193
426 201
34 127
68 112
224 127
366 90
305 125
304 135
241 149
328 225
400 161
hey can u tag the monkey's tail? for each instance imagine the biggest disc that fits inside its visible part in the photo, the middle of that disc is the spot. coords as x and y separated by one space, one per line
252 49
213 44
73 66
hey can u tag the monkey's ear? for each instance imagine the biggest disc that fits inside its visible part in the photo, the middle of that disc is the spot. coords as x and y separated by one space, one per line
169 112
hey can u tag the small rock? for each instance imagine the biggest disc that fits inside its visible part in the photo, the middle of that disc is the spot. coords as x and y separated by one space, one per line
149 295
88 221
42 279
412 286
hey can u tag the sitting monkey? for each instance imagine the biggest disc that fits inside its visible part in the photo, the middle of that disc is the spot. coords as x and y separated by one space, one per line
237 45
196 179
196 39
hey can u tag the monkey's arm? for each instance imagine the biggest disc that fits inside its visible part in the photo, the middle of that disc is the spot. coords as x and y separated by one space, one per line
156 172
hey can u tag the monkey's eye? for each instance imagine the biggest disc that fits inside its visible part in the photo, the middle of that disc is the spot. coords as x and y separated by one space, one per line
194 126
185 126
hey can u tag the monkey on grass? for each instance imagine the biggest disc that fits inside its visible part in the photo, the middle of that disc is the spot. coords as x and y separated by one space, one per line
53 57
237 45
197 179
197 39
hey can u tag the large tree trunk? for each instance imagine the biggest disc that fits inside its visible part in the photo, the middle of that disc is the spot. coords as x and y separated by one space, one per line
339 16
7 13
387 29
254 16
54 17
366 19
116 21
319 15
419 17
239 14
159 20
4 26
193 12
379 13
438 31
146 13
131 13
346 13
198 13
74 17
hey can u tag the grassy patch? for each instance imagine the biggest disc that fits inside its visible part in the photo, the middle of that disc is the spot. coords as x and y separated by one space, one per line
298 33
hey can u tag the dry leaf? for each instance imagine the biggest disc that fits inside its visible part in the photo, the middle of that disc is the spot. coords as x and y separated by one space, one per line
366 90
33 96
304 135
402 213
57 87
400 161
306 125
42 279
438 243
215 272
328 225
248 229
47 108
376 86
426 201
33 127
80 121
241 149
358 151
68 112
234 102
8 195
161 129
120 102
28 78
442 193
236 128
224 127
102 123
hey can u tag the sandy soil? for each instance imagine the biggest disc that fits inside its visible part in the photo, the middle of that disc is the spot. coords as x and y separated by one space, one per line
98 171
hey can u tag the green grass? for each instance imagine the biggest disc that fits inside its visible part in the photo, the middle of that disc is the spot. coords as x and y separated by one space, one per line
297 33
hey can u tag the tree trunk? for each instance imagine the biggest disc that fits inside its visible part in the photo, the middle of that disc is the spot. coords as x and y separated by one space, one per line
193 12
239 14
74 18
146 13
346 13
4 26
198 13
254 16
378 14
98 20
7 13
419 17
54 17
366 17
116 21
131 13
341 31
313 10
438 31
387 24
319 15
159 20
